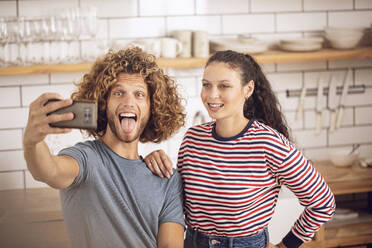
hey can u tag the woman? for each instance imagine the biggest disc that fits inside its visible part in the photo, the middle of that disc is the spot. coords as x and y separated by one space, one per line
233 167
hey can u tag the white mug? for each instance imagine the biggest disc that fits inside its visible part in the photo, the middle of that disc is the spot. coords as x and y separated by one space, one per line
170 47
152 46
200 44
185 37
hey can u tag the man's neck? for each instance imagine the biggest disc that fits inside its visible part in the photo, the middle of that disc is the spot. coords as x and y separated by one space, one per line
123 149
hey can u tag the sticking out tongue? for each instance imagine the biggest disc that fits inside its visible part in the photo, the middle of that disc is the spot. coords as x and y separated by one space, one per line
128 124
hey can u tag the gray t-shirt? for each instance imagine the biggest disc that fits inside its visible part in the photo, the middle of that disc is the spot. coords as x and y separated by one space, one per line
117 202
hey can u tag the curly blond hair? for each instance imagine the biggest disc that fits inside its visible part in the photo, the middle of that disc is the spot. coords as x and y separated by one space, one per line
167 112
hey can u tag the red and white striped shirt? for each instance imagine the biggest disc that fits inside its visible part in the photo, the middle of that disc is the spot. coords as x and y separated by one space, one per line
232 184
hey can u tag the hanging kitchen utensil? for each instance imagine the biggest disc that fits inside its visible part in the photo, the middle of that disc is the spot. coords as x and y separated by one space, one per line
341 106
319 104
300 107
332 103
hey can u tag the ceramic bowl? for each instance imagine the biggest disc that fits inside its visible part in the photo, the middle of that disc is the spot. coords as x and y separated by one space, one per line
344 42
343 38
342 31
342 157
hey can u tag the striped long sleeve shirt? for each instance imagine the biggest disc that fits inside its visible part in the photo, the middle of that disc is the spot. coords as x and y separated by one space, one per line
231 185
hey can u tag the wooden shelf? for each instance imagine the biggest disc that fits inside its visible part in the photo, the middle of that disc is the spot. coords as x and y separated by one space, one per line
187 63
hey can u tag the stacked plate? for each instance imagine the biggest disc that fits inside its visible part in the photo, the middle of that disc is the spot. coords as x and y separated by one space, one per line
301 44
243 45
343 38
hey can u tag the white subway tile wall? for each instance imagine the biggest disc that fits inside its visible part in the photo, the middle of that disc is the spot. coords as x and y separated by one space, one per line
363 4
301 21
354 18
127 20
220 7
211 24
113 8
37 8
7 8
254 23
166 7
328 5
276 6
12 161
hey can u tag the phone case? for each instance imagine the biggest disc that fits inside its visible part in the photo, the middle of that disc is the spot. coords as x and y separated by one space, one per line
85 115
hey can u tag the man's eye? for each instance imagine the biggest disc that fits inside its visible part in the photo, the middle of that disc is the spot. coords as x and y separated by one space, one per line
206 85
223 86
140 94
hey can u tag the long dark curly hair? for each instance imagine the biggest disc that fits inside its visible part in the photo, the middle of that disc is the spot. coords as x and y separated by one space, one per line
262 105
167 112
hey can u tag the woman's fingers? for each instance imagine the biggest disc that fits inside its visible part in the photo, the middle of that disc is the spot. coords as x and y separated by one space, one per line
151 164
167 163
159 163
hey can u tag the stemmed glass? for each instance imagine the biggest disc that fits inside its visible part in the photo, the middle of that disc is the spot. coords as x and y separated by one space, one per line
38 40
45 36
62 38
89 27
25 37
74 30
4 38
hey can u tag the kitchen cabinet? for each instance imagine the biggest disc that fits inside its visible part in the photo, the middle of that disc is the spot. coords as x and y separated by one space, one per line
345 180
186 63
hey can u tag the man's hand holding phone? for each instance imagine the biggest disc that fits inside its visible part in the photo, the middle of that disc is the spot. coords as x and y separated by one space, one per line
51 114
38 127
85 115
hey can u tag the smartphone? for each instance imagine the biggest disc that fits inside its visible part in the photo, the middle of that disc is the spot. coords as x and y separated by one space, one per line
85 115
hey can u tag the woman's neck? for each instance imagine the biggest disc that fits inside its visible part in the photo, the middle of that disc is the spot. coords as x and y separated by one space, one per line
230 127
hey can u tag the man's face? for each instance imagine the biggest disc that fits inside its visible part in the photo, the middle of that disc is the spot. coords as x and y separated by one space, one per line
128 107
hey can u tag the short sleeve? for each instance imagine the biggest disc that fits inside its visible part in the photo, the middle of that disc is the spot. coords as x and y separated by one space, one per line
80 152
172 210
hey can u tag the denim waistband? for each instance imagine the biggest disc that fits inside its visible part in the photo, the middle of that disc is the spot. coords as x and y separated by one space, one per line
195 239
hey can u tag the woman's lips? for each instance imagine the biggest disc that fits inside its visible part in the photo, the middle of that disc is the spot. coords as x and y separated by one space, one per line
215 106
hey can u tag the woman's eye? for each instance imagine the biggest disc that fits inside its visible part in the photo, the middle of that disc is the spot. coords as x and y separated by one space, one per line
223 86
206 85
117 93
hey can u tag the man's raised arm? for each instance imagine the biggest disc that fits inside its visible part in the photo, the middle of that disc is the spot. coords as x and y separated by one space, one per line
56 171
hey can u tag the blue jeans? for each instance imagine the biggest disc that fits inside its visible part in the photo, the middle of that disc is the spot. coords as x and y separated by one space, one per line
196 239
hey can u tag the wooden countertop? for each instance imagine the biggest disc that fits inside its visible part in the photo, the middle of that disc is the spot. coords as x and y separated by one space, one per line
345 180
32 218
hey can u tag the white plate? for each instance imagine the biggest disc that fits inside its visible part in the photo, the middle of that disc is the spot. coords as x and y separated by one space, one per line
300 47
235 45
303 41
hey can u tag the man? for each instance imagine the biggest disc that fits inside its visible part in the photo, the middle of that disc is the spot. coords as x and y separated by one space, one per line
109 197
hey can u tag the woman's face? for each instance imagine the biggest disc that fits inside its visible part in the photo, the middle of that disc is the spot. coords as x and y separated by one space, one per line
222 92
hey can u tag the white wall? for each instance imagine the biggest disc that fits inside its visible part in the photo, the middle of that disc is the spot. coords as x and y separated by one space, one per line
125 20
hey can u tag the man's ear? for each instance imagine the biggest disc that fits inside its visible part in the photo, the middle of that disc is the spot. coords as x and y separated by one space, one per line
248 89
